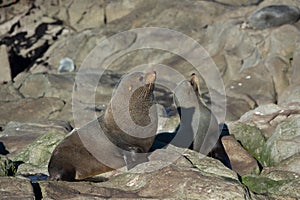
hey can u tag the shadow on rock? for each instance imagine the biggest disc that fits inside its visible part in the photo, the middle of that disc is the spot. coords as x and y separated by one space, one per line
162 140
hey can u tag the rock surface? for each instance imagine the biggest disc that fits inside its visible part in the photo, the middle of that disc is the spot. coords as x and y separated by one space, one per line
184 179
260 77
241 161
16 188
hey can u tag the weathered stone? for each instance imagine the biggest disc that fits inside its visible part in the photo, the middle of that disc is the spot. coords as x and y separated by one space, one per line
8 93
83 15
250 137
169 181
290 164
241 161
291 97
284 189
38 152
283 143
48 85
267 117
17 135
278 175
118 9
25 110
7 167
16 188
4 65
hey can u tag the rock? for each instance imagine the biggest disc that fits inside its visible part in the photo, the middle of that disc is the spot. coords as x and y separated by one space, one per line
278 175
290 97
25 110
249 136
283 143
66 65
8 93
118 9
290 164
7 167
4 65
47 85
162 181
17 135
295 62
282 189
16 188
81 15
39 151
241 161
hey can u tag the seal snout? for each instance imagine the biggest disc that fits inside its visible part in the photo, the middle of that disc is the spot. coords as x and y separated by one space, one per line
150 77
195 83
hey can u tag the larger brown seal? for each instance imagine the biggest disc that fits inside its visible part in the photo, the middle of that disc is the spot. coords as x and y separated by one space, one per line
103 145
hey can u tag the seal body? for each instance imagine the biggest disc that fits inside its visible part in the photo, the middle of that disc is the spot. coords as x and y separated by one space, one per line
120 137
274 15
198 125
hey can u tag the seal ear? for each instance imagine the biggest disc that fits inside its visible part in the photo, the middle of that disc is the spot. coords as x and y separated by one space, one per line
133 157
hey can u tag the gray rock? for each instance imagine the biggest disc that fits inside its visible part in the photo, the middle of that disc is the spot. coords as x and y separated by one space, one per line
170 181
39 151
283 143
25 110
241 161
281 189
249 136
47 85
8 93
17 135
290 164
66 65
7 167
278 175
4 65
16 188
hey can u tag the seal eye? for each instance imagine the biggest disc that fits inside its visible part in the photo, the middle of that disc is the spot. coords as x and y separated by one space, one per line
141 78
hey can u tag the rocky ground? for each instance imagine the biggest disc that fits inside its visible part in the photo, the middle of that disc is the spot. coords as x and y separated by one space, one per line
259 69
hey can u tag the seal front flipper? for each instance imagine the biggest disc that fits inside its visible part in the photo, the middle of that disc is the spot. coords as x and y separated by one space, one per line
134 156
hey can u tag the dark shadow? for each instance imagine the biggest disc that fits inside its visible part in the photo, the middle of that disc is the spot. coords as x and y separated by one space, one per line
37 191
218 152
184 137
97 179
34 178
184 132
3 150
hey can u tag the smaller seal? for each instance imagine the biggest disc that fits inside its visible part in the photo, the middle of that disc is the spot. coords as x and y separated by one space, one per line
198 128
271 16
208 129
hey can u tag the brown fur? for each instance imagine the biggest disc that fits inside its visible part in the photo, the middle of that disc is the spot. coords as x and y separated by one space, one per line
71 160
